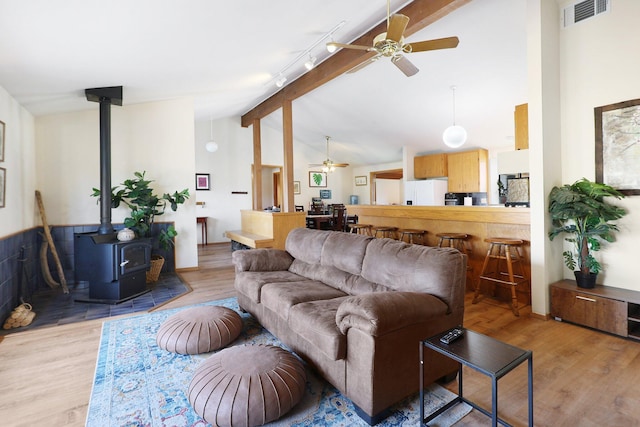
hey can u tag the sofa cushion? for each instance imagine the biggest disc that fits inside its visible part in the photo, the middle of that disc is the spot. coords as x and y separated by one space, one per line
351 284
261 260
250 283
415 268
344 251
280 297
315 321
306 244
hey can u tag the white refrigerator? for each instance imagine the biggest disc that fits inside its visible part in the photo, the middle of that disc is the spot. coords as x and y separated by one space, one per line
428 192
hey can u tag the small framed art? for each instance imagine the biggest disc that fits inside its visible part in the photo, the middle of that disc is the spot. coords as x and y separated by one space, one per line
202 181
317 179
361 180
296 187
3 186
1 141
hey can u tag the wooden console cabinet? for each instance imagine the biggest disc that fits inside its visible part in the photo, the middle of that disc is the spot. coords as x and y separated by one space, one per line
605 308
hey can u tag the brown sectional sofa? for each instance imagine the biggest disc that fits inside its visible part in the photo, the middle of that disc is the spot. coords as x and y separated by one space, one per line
355 308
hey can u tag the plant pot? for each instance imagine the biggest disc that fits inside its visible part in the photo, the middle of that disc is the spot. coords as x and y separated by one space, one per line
153 273
587 281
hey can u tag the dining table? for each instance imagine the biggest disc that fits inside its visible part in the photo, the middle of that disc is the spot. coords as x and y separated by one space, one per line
317 221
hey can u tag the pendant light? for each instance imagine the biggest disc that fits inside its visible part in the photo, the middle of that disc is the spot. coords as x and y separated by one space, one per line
211 146
454 136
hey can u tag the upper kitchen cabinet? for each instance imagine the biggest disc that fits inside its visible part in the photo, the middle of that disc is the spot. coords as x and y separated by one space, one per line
521 119
430 166
468 171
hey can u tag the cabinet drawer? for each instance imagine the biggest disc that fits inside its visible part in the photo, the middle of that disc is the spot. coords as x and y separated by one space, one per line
590 310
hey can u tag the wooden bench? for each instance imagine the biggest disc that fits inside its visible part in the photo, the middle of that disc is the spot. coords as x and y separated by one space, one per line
250 239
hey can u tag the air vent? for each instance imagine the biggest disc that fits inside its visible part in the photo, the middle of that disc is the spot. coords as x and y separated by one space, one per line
582 10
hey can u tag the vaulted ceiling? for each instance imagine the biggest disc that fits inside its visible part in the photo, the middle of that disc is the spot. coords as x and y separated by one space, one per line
226 55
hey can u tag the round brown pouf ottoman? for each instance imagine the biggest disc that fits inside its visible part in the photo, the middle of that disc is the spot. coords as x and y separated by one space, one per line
199 330
247 385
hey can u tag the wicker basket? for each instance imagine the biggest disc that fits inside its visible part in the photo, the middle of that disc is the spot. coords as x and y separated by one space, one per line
156 266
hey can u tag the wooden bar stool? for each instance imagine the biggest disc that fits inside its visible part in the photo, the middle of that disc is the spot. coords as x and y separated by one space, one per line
503 251
457 241
384 231
360 229
412 234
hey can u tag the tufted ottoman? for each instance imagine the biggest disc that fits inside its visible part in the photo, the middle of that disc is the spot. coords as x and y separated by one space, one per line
199 330
247 385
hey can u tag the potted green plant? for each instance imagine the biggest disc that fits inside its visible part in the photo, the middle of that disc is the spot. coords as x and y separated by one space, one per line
145 206
581 211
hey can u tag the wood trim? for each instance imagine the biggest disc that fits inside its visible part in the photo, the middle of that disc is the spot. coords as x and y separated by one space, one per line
482 214
287 177
257 165
421 13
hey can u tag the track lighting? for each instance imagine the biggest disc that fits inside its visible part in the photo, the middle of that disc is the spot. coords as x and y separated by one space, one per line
331 47
281 80
311 62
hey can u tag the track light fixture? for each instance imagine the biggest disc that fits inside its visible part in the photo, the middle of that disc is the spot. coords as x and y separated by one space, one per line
309 64
281 80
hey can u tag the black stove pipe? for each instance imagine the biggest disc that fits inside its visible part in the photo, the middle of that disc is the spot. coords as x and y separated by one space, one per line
105 96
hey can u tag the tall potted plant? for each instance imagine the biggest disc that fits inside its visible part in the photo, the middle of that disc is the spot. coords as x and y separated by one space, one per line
145 206
581 211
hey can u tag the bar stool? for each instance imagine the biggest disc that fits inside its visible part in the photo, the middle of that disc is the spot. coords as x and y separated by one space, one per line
412 234
508 250
384 231
360 229
457 241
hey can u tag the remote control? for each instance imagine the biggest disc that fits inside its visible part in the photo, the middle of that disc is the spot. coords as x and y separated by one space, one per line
452 335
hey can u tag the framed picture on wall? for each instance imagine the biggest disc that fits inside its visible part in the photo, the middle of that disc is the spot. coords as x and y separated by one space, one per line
317 179
1 141
361 180
296 187
617 150
202 181
3 185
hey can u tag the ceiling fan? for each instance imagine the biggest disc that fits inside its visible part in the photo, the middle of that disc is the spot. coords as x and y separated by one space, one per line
391 44
329 165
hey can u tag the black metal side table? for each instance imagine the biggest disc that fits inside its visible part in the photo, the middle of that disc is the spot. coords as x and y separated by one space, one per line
484 354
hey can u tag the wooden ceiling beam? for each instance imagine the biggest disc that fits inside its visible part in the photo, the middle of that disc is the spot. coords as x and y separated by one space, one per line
421 13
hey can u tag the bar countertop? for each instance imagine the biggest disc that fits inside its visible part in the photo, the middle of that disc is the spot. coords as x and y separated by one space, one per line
497 214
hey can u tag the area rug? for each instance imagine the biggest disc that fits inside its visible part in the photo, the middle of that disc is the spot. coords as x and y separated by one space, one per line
138 384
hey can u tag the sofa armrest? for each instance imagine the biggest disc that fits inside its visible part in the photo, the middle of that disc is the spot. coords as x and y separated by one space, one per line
379 313
261 260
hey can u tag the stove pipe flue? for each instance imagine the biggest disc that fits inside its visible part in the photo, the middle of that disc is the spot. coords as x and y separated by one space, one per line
105 96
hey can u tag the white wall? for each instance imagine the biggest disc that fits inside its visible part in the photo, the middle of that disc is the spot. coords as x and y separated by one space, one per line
19 146
599 67
154 137
388 191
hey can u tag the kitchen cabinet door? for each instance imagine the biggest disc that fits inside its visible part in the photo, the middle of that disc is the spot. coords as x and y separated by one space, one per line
430 166
468 171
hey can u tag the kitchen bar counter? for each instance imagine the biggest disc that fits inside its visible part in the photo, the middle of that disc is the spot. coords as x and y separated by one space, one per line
479 222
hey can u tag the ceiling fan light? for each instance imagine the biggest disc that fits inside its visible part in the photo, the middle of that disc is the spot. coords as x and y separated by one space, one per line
454 136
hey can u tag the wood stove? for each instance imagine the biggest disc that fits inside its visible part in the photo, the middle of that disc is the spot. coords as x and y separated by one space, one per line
116 271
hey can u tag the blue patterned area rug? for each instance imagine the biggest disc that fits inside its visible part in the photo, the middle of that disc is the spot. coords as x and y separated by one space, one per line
138 384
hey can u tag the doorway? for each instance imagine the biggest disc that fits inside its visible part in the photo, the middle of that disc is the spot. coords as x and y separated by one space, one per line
388 186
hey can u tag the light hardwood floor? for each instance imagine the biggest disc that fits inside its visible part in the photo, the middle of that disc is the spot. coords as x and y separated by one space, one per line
581 377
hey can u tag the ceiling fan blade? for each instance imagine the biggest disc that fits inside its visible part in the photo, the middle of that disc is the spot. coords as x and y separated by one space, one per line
397 24
341 165
349 46
405 65
445 43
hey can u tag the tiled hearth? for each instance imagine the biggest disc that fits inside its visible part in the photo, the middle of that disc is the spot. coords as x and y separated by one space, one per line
53 307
